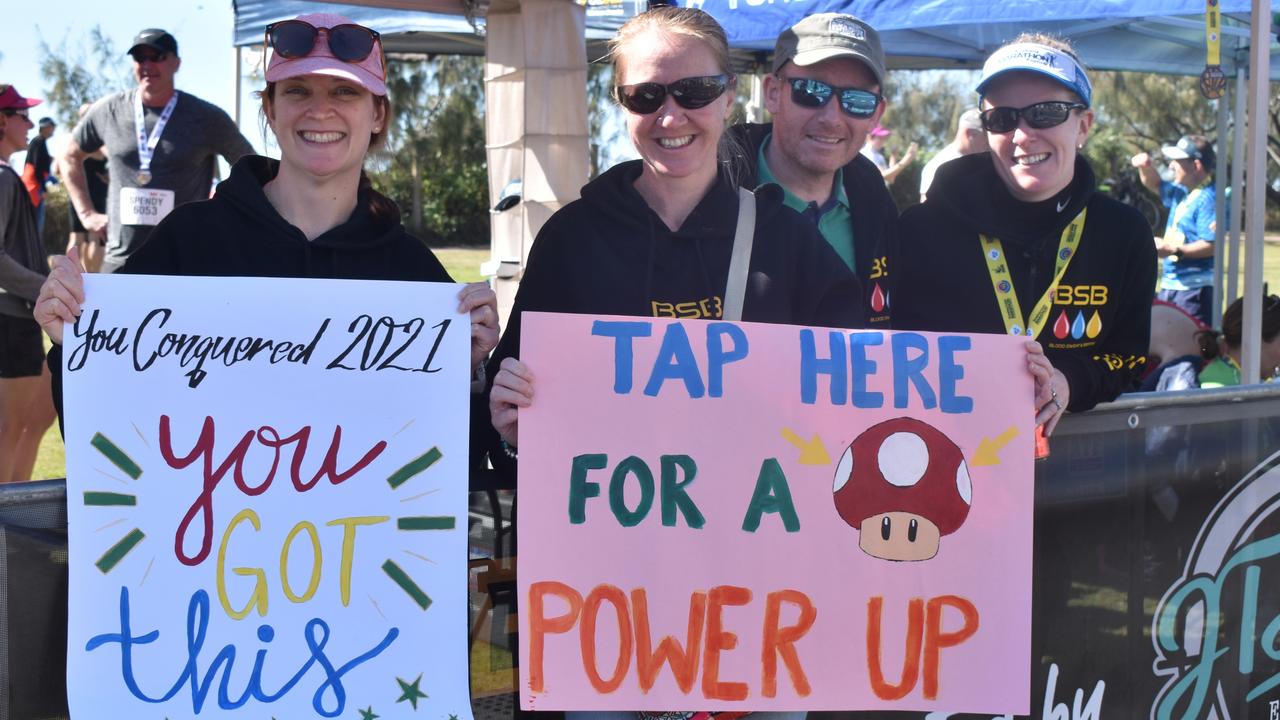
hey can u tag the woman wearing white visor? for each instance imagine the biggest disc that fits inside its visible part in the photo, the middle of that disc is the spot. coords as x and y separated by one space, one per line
1017 241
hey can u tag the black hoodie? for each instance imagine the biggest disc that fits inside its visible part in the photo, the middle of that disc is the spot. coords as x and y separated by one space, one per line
239 233
608 253
1099 326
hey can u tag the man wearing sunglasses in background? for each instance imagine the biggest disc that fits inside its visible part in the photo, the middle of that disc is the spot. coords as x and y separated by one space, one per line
1186 250
162 147
825 96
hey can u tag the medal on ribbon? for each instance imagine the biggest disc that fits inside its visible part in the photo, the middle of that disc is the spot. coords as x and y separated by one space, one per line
1213 82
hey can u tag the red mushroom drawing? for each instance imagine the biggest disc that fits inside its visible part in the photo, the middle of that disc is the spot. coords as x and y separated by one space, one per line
902 484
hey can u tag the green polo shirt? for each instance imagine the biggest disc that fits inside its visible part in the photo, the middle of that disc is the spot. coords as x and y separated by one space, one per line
833 219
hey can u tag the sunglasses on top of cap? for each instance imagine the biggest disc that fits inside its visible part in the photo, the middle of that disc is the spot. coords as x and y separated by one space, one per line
349 43
855 102
689 93
1040 116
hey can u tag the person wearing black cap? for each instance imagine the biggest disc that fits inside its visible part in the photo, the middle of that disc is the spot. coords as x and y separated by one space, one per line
1186 279
825 96
35 173
162 145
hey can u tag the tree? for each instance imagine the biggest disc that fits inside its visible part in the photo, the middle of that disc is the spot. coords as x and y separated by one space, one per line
81 72
434 163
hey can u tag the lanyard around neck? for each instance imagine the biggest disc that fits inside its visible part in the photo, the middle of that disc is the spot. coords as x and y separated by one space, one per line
1002 282
147 143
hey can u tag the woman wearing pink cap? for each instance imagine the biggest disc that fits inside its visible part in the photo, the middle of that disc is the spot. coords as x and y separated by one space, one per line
25 411
313 213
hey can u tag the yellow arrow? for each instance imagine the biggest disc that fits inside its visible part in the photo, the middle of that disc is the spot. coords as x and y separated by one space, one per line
988 452
812 452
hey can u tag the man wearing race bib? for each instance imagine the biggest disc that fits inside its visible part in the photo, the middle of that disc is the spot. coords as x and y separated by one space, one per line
162 147
1017 240
1186 279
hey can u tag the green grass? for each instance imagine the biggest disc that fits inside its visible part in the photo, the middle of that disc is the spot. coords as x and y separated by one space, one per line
463 265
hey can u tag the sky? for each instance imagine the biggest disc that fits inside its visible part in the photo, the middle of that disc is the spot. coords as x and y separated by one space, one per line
203 29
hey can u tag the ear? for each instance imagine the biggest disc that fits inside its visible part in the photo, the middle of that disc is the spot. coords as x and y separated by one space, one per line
1086 122
269 111
773 86
177 64
379 115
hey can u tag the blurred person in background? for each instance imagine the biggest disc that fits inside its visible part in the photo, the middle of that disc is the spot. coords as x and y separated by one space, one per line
162 146
26 411
970 138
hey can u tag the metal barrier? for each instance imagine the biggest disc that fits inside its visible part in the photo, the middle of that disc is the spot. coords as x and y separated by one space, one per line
1157 547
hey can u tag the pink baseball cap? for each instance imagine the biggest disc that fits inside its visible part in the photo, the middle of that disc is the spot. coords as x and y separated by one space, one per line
368 73
11 99
880 131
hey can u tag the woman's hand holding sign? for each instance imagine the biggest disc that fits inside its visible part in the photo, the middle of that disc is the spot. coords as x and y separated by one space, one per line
1053 393
481 302
512 390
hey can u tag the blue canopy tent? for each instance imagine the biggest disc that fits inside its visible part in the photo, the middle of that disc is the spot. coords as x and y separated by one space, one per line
427 27
1164 36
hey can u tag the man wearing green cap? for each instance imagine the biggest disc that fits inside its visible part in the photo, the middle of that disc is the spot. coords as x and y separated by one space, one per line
825 96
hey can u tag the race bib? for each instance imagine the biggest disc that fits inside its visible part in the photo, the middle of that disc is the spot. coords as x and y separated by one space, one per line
144 206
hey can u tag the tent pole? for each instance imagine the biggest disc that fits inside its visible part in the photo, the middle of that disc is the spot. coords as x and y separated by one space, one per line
1259 74
1237 183
1220 211
239 80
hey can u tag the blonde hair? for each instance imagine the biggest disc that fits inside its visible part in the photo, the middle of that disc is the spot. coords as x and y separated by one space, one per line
688 22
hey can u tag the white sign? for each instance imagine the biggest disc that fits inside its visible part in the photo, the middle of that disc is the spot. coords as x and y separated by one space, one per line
267 493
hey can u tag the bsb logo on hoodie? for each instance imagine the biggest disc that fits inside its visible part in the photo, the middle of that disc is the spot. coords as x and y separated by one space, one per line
711 308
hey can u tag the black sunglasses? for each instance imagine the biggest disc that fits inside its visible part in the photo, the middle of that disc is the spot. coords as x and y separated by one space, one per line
10 112
349 43
689 93
1040 116
141 57
855 102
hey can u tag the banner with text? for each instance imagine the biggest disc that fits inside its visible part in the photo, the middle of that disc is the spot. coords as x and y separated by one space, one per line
737 516
266 491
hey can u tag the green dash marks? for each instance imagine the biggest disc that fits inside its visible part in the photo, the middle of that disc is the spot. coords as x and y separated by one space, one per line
116 456
92 497
408 585
117 552
427 522
417 465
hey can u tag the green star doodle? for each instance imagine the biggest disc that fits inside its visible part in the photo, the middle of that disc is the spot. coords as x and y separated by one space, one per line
410 692
368 714
453 717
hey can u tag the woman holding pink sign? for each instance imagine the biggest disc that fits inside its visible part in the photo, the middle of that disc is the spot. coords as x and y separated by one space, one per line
669 235
313 213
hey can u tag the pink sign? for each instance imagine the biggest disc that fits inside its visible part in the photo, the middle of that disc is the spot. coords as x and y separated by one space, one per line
737 516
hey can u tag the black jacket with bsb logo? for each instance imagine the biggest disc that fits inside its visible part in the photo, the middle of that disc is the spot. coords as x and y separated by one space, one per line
1099 325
